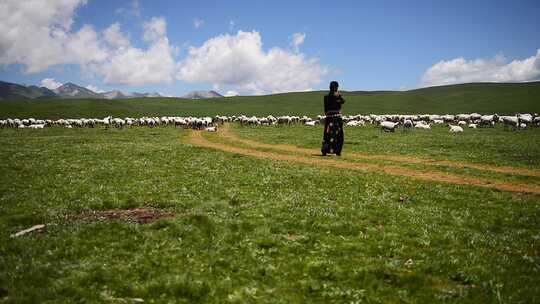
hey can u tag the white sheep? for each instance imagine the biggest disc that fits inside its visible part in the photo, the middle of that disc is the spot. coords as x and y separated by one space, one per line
510 121
525 118
464 117
489 120
422 125
355 123
536 120
407 123
387 122
388 126
284 120
455 129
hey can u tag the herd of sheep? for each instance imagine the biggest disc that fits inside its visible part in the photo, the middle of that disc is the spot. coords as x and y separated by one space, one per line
387 123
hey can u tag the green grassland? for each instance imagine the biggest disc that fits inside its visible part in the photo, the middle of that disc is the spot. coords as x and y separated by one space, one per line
492 146
488 146
249 230
465 98
256 231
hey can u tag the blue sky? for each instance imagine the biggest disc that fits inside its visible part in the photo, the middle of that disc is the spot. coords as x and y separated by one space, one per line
366 45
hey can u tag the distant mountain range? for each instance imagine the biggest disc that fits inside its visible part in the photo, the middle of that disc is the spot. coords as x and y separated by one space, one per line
13 90
70 90
202 94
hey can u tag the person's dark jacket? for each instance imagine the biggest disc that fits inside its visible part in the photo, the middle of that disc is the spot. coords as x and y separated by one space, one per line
333 102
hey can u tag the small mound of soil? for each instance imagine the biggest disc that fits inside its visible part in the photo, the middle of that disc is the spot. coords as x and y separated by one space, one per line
136 215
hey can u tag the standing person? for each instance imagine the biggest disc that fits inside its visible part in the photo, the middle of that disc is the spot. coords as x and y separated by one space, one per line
333 124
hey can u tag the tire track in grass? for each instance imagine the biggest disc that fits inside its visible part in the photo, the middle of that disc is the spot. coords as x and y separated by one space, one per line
226 133
196 138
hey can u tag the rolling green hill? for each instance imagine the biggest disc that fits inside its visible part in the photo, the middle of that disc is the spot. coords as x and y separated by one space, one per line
474 97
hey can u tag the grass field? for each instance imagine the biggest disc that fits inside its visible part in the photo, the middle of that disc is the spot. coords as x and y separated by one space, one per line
466 98
254 230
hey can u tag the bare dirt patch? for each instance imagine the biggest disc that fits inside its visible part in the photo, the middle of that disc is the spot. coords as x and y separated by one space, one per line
426 175
226 133
135 215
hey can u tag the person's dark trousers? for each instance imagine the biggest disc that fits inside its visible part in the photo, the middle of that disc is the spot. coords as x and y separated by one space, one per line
332 136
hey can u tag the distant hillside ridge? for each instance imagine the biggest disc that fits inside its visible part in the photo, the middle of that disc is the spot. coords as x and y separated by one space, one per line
68 90
16 91
71 90
202 95
483 98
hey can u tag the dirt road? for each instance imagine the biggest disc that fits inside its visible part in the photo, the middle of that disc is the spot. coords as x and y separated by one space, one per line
308 156
225 132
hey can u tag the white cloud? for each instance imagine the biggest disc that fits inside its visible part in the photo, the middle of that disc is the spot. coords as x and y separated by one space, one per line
133 66
231 93
497 69
50 83
114 37
134 9
155 29
197 23
231 25
94 89
239 60
84 47
297 40
37 34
